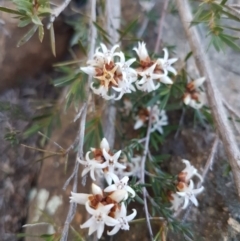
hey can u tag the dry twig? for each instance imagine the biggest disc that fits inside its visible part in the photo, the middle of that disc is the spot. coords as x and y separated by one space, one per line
213 94
142 180
72 208
160 26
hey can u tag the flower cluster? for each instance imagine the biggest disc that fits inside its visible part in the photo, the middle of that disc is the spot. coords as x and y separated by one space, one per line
159 118
103 160
193 95
113 72
106 208
185 187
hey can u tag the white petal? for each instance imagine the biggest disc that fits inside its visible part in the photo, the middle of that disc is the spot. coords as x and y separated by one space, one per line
165 79
171 69
80 198
90 222
110 221
123 211
165 54
89 70
108 178
89 209
104 144
187 99
114 230
129 189
92 229
118 195
117 155
85 171
199 82
96 190
131 216
194 200
100 230
186 201
111 188
139 123
119 165
106 209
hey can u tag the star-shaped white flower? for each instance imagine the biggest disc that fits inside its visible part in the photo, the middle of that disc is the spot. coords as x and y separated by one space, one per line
91 166
189 171
99 219
189 194
112 163
176 201
124 66
124 86
120 185
147 81
123 219
161 121
166 63
82 198
194 97
142 52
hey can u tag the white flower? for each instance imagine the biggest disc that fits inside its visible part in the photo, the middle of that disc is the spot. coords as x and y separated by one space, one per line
123 219
112 163
189 194
142 52
90 166
82 198
166 63
119 185
147 81
161 121
188 172
194 97
124 86
176 201
124 65
99 219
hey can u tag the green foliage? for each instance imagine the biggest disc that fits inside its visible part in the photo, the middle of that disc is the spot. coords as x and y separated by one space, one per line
31 13
94 132
214 15
12 136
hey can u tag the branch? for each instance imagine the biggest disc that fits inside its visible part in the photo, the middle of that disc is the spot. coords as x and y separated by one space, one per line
160 26
72 208
214 97
142 180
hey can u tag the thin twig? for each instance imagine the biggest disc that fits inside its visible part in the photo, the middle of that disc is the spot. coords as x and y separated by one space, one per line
146 147
72 208
160 26
214 97
231 109
57 11
55 143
